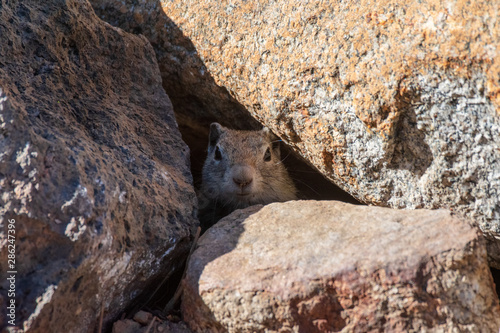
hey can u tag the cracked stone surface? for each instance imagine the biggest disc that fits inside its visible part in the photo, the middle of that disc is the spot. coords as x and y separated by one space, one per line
326 266
92 167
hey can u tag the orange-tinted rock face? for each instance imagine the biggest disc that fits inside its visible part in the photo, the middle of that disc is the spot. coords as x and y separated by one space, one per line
397 102
295 54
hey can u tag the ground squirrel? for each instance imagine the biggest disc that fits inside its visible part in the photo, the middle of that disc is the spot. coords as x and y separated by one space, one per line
242 168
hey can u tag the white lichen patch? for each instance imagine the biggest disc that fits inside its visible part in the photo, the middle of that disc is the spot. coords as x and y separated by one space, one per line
121 197
3 99
80 191
41 301
75 228
23 156
5 196
80 202
21 194
115 268
33 173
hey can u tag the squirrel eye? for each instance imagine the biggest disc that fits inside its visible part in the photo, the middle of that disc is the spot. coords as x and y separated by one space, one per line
217 155
267 155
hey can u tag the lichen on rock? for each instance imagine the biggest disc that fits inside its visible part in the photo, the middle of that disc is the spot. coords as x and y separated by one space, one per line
92 167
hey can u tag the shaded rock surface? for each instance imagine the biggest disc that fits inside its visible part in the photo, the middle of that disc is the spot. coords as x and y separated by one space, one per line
396 102
326 266
145 322
197 98
92 167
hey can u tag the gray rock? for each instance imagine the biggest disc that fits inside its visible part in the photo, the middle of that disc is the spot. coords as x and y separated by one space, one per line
92 167
143 317
306 266
126 326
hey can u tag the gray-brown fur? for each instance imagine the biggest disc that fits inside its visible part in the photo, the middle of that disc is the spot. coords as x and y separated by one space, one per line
242 168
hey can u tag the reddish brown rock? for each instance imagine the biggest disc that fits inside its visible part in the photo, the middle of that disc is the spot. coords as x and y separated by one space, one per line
333 267
397 102
92 167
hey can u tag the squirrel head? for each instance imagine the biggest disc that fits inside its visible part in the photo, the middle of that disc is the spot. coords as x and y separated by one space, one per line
244 168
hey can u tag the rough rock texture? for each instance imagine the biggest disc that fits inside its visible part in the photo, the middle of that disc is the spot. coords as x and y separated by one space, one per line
197 99
397 102
145 322
92 166
328 266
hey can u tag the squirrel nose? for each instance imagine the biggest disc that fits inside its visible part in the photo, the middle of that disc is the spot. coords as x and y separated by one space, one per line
242 176
242 181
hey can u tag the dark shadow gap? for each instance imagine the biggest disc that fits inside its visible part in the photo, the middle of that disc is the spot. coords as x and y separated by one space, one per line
496 278
311 184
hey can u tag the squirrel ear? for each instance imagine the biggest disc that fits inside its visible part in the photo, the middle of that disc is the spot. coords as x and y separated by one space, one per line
215 132
270 135
274 139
